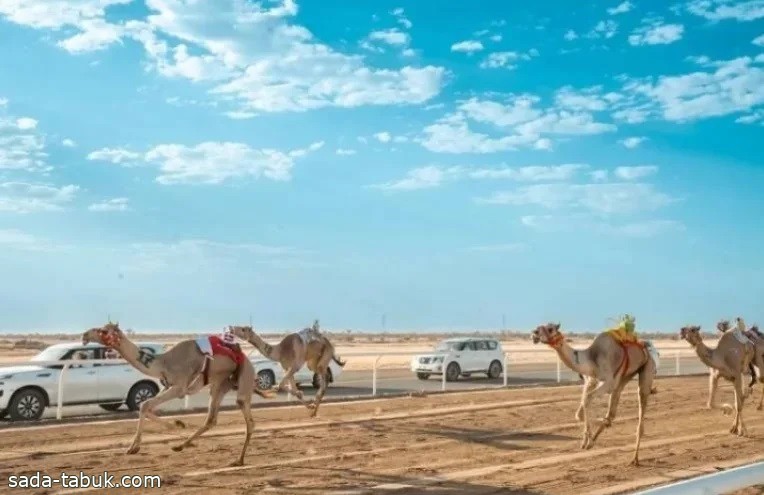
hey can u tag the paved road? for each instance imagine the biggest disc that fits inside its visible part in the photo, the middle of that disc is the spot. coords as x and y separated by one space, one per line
393 381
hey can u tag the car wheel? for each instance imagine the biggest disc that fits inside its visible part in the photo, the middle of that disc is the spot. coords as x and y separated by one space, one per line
452 372
139 394
265 379
423 376
110 407
494 370
26 405
329 378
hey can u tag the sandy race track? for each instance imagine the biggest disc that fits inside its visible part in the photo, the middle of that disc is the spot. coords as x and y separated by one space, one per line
504 441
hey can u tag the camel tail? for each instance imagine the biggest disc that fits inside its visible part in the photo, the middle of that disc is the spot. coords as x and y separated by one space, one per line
339 361
753 375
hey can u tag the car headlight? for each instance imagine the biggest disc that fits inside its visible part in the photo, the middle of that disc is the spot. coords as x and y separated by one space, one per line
438 359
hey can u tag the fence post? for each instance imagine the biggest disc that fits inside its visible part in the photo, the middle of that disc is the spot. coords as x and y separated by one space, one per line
443 377
186 401
60 400
559 370
506 365
374 377
678 369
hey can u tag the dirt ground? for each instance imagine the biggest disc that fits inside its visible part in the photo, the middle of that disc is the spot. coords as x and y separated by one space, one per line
504 441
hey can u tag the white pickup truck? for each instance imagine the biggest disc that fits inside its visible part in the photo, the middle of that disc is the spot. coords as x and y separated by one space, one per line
27 389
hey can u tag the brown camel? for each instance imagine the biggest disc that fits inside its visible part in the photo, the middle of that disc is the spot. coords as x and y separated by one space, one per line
727 360
607 365
185 369
294 351
757 342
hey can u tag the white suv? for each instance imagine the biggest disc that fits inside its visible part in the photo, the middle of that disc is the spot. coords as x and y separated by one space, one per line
460 357
26 390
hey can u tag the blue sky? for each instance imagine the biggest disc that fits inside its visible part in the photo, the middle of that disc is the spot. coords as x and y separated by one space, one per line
180 165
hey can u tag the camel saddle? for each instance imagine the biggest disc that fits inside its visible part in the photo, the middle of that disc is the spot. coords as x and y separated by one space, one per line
212 346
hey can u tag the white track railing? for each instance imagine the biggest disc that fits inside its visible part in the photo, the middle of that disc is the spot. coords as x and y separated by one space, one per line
678 354
725 481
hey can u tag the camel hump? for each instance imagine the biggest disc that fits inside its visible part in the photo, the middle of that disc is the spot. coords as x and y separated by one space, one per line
622 336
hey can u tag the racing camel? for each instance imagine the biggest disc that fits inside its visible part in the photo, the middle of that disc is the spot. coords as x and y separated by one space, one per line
607 365
295 350
185 369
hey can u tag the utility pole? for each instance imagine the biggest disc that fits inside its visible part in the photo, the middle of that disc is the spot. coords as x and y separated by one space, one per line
503 322
384 322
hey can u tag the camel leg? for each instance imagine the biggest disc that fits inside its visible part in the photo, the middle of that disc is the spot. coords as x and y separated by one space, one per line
217 392
244 401
713 385
288 380
586 442
589 384
322 383
612 407
644 390
761 397
738 426
147 408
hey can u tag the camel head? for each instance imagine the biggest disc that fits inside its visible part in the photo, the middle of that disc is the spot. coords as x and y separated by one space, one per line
547 334
755 329
315 325
242 332
691 334
109 335
723 326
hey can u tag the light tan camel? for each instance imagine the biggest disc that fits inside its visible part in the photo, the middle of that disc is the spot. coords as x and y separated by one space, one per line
757 343
607 365
184 370
727 360
293 352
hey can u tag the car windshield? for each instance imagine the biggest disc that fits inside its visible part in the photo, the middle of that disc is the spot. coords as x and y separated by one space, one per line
449 346
49 354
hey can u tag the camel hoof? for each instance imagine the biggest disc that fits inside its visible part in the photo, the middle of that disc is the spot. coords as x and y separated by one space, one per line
634 462
579 416
759 407
177 448
606 422
180 424
134 449
236 463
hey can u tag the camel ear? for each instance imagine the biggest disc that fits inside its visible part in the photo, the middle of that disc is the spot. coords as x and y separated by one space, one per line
557 326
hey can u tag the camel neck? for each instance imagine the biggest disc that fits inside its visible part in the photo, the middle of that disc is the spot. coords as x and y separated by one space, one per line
572 358
705 353
265 348
142 361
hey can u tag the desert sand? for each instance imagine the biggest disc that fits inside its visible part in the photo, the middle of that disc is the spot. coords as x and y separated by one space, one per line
524 440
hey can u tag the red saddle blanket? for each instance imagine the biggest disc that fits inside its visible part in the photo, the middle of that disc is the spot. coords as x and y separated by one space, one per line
220 348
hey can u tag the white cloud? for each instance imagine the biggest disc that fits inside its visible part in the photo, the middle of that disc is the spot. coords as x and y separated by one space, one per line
345 152
633 142
23 197
467 46
505 60
599 175
751 118
22 148
400 16
3 102
115 204
496 38
527 126
22 241
633 173
250 55
236 115
26 123
599 198
421 178
383 137
604 29
759 40
570 35
729 87
622 8
118 156
718 10
432 176
655 32
209 162
68 143
392 36
649 228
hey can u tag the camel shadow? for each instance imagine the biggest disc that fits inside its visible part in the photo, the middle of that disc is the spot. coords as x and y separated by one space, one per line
352 481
